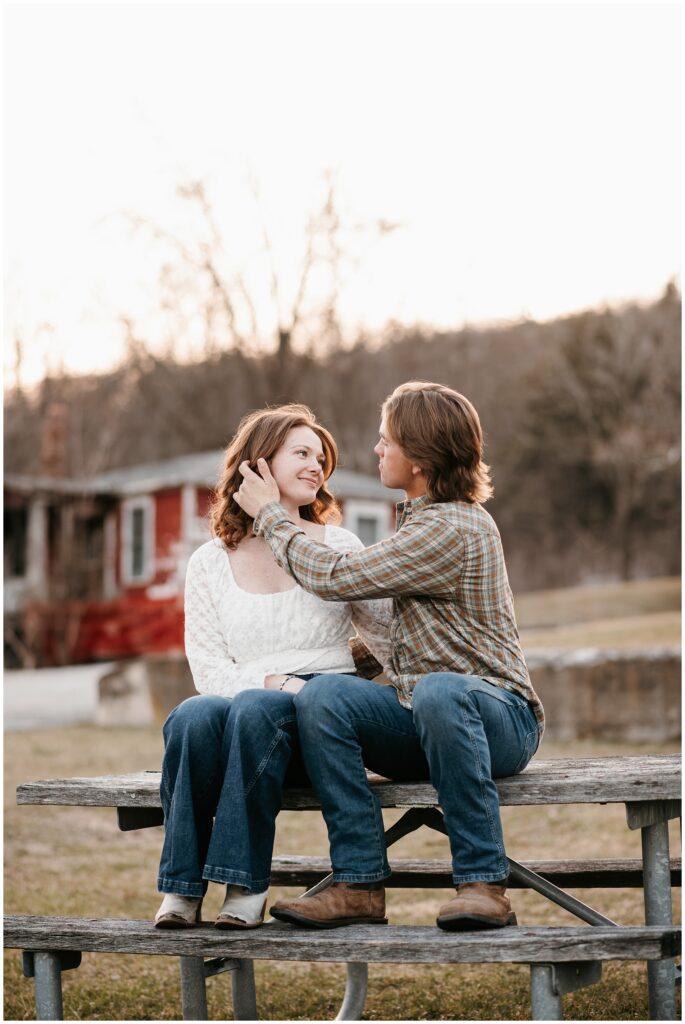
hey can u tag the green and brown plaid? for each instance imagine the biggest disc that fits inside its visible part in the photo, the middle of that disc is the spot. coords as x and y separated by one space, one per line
444 568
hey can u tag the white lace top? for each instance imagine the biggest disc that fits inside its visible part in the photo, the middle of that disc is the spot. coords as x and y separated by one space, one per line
234 638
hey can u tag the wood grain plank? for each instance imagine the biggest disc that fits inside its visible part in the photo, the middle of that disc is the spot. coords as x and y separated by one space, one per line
557 781
370 943
437 874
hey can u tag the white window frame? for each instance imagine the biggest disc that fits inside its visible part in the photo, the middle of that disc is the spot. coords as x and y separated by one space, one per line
194 530
110 588
128 507
354 510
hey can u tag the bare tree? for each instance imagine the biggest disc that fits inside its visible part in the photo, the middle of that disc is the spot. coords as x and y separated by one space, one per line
199 283
581 417
605 427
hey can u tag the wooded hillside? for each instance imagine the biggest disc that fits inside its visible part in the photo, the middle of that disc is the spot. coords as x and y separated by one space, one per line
581 416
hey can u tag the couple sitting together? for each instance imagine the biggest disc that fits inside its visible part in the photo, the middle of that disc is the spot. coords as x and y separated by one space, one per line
287 698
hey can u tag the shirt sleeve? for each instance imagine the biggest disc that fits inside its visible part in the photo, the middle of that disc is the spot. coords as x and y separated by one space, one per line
212 668
421 559
371 619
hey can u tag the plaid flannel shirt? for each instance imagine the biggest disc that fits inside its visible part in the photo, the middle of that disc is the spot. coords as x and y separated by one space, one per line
444 568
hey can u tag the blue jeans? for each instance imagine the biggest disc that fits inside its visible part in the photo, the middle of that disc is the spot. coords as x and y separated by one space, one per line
226 759
461 732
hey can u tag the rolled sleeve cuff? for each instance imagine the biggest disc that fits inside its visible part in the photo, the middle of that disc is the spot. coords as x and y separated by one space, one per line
272 514
366 664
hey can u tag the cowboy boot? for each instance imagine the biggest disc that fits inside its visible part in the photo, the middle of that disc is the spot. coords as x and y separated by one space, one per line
477 905
340 904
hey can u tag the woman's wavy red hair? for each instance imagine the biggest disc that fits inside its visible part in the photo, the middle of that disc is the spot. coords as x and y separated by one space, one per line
260 434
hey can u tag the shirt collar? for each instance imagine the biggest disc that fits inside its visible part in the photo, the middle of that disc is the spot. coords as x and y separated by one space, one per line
410 505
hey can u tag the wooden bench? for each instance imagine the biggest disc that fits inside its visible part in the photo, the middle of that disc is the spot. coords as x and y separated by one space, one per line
649 786
560 959
437 874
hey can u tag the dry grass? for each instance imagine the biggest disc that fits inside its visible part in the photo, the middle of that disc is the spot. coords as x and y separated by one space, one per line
635 614
74 861
632 631
598 601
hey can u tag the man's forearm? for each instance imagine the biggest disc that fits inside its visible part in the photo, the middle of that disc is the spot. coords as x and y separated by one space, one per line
421 558
278 530
275 526
308 561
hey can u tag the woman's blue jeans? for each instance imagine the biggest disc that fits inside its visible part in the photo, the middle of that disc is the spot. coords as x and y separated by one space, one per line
461 733
226 759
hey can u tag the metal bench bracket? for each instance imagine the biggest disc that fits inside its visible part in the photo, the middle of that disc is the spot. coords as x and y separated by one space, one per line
131 818
570 977
219 964
68 960
651 812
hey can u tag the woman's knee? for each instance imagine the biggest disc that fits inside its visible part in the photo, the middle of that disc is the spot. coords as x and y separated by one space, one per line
196 715
258 705
320 693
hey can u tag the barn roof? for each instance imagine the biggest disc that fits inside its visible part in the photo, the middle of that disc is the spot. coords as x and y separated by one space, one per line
201 469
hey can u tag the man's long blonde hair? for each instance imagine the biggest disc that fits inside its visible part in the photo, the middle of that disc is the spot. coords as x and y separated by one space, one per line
439 430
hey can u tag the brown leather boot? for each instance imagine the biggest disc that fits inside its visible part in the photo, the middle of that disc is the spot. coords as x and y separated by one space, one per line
477 905
341 903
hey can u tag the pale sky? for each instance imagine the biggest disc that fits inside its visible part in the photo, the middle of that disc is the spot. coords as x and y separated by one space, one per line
530 152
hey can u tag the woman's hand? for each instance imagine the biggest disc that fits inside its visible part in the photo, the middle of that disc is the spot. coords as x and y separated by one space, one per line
256 491
273 682
293 684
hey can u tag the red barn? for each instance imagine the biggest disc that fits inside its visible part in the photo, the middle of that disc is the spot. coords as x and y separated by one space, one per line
94 569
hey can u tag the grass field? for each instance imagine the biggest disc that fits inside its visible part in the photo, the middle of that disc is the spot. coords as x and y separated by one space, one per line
74 861
639 613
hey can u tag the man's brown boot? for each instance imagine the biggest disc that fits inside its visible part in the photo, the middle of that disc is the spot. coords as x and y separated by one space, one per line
477 905
341 903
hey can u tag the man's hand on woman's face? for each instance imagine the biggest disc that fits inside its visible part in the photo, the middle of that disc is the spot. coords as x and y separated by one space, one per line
256 491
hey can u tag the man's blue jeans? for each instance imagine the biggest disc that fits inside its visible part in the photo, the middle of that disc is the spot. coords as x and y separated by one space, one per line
227 758
462 732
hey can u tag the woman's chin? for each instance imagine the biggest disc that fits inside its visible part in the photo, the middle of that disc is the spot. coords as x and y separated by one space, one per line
304 497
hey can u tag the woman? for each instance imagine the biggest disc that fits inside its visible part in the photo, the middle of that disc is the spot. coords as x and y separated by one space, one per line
253 638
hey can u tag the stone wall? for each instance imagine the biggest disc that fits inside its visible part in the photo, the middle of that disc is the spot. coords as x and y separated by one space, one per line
143 691
596 693
591 693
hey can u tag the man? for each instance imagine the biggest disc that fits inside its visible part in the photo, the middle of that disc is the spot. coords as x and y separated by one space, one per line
461 709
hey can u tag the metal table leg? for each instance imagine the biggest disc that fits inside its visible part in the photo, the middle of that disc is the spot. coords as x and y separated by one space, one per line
355 992
652 817
244 994
193 988
48 981
660 973
194 972
545 1002
46 967
358 973
548 982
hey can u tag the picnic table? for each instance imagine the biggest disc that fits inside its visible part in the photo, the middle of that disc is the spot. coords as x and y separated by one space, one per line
561 959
